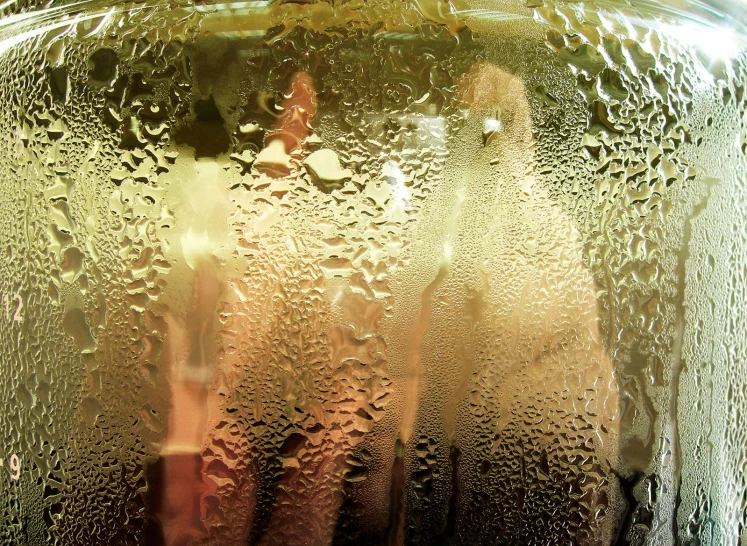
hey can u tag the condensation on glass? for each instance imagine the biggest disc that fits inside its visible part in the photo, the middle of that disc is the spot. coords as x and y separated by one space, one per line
381 272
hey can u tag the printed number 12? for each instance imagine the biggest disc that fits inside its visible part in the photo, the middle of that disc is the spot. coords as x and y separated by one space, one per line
17 315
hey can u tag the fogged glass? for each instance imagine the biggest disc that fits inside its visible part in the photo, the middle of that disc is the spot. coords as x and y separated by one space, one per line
372 273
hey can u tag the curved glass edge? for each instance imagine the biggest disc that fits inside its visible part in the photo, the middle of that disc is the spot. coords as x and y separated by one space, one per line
712 12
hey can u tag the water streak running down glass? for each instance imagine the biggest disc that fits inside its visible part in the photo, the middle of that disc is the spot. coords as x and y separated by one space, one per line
383 272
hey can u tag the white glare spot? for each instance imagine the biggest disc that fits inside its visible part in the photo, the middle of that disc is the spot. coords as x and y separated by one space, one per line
448 251
716 43
493 125
195 246
396 179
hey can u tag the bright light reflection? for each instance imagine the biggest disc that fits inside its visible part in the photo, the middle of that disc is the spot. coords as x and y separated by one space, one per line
448 251
493 125
234 7
717 43
6 45
396 179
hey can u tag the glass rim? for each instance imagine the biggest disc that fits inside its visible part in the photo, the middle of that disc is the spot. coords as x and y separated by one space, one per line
715 13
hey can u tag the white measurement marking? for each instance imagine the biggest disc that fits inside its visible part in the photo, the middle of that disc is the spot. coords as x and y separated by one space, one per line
13 307
15 467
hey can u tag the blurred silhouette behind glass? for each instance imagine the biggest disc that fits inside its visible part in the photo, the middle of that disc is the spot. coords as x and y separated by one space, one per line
373 273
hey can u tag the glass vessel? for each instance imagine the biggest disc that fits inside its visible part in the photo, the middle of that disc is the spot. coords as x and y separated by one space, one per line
397 272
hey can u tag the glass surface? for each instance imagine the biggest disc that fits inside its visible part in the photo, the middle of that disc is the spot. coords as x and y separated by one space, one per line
373 272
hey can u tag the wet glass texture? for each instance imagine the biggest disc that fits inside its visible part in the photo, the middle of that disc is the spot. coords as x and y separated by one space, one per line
377 272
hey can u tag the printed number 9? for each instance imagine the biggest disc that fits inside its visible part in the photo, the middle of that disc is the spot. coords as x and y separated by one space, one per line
15 467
